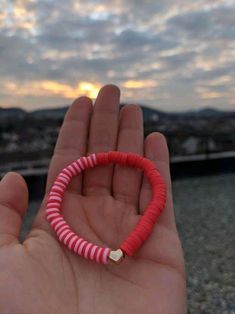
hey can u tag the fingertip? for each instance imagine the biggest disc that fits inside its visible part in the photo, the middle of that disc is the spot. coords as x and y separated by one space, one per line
132 108
156 146
108 100
111 88
82 100
131 118
79 109
157 136
14 191
16 179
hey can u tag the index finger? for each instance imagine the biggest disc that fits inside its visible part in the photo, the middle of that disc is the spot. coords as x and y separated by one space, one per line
72 141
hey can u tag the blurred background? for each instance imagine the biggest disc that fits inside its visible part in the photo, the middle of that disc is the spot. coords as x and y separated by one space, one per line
174 58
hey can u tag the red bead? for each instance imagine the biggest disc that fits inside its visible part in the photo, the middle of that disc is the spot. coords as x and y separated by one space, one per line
143 228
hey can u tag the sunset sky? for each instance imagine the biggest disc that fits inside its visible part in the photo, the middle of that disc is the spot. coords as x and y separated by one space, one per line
169 55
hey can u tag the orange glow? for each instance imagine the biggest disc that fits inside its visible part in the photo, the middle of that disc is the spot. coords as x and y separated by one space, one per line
139 84
211 95
89 89
220 80
2 16
202 64
51 88
206 93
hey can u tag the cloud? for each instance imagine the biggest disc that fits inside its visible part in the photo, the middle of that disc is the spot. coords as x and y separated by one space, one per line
211 23
192 23
169 54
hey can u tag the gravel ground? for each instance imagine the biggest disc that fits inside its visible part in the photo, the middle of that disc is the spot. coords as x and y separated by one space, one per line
204 209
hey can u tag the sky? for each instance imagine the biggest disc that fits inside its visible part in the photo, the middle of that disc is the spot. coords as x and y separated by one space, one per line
169 55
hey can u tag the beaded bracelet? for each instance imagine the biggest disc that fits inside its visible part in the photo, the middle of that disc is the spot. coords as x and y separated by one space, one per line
141 231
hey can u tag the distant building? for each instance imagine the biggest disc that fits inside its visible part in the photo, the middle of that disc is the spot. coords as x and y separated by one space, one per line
190 145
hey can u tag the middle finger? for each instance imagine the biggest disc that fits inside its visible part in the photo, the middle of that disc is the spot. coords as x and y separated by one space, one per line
103 137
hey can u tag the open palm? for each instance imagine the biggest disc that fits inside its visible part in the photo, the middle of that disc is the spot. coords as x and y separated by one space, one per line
102 205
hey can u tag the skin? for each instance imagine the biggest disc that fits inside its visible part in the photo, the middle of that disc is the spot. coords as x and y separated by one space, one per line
102 205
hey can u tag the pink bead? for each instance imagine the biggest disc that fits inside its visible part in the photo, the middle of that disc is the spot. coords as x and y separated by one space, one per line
77 244
81 164
136 237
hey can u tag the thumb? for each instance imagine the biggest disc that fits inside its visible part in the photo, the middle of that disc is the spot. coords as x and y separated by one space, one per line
13 205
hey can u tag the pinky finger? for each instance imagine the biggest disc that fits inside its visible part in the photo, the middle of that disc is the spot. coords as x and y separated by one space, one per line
156 149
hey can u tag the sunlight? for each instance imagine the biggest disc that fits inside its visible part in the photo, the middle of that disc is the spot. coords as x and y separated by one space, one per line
211 95
51 88
139 84
89 89
220 80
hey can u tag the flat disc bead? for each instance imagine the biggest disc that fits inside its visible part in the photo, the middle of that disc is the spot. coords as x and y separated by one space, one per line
141 231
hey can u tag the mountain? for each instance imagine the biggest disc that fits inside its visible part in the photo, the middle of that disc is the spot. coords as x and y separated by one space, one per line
50 113
211 112
149 114
11 114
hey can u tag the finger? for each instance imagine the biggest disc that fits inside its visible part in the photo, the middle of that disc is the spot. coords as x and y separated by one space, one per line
72 141
127 180
156 149
71 144
103 136
13 205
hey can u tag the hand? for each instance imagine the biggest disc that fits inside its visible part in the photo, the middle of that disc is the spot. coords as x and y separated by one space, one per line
102 205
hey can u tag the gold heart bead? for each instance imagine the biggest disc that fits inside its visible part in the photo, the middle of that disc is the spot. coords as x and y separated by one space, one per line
116 256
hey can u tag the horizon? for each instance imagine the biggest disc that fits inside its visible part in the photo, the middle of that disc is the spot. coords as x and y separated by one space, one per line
170 56
121 104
